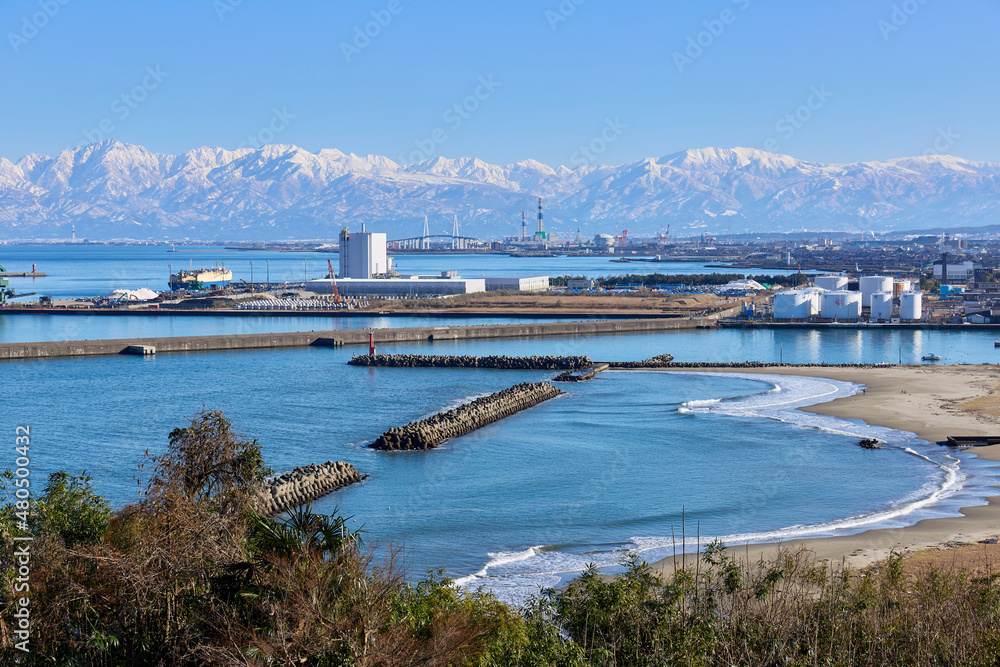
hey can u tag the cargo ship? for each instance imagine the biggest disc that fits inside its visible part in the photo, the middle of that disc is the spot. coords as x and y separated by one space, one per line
194 279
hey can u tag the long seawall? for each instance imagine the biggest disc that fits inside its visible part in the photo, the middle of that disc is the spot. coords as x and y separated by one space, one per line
160 345
430 432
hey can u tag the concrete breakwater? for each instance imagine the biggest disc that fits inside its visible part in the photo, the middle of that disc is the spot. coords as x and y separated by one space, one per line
431 432
304 484
658 361
498 362
587 374
161 345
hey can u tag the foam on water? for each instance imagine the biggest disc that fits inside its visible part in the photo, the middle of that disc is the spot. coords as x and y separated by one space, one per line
515 576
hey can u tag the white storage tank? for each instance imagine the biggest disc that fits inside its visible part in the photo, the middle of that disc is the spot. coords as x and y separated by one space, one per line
840 305
910 306
831 283
794 305
871 284
881 306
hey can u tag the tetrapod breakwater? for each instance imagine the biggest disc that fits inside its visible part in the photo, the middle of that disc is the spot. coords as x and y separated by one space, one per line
494 362
659 361
431 432
304 484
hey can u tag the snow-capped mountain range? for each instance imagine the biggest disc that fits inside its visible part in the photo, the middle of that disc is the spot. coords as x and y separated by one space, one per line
116 190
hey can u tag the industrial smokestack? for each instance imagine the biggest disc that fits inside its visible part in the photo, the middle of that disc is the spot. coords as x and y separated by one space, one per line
944 268
541 223
524 227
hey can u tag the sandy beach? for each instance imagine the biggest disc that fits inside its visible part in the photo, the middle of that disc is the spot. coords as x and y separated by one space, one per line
931 401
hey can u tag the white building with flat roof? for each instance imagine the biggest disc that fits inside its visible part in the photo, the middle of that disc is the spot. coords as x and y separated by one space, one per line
526 284
362 255
399 287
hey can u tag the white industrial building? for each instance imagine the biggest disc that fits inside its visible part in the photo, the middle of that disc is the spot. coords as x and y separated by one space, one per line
831 282
528 284
841 306
910 306
399 287
871 284
959 272
881 307
362 255
796 304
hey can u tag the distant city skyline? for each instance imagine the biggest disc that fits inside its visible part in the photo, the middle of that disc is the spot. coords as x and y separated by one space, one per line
564 82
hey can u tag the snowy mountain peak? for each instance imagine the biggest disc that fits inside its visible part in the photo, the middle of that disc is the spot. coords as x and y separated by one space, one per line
112 189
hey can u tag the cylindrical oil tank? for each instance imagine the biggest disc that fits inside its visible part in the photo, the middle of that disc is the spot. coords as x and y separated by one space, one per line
871 284
899 286
831 282
840 305
881 306
793 305
910 306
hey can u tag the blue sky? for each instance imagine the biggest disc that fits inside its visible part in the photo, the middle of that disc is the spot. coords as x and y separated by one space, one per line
506 81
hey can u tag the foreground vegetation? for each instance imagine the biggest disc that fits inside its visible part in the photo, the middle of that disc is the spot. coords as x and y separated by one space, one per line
191 574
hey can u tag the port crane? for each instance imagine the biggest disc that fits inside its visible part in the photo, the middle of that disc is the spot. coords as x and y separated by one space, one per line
333 285
664 238
5 291
621 240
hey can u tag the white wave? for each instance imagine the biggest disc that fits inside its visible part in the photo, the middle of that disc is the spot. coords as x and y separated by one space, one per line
701 404
499 559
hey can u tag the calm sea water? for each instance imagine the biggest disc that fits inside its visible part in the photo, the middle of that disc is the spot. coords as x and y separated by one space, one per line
86 271
32 328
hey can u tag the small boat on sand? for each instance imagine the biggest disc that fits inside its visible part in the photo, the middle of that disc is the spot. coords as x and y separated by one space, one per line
930 357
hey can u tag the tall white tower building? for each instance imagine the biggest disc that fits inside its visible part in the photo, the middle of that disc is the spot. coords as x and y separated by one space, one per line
362 255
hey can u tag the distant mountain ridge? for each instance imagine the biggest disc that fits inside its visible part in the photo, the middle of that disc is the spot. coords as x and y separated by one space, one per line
116 190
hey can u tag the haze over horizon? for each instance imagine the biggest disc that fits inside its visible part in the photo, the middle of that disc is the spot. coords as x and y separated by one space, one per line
566 82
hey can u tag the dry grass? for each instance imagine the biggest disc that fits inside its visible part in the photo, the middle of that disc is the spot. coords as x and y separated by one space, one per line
546 303
988 406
